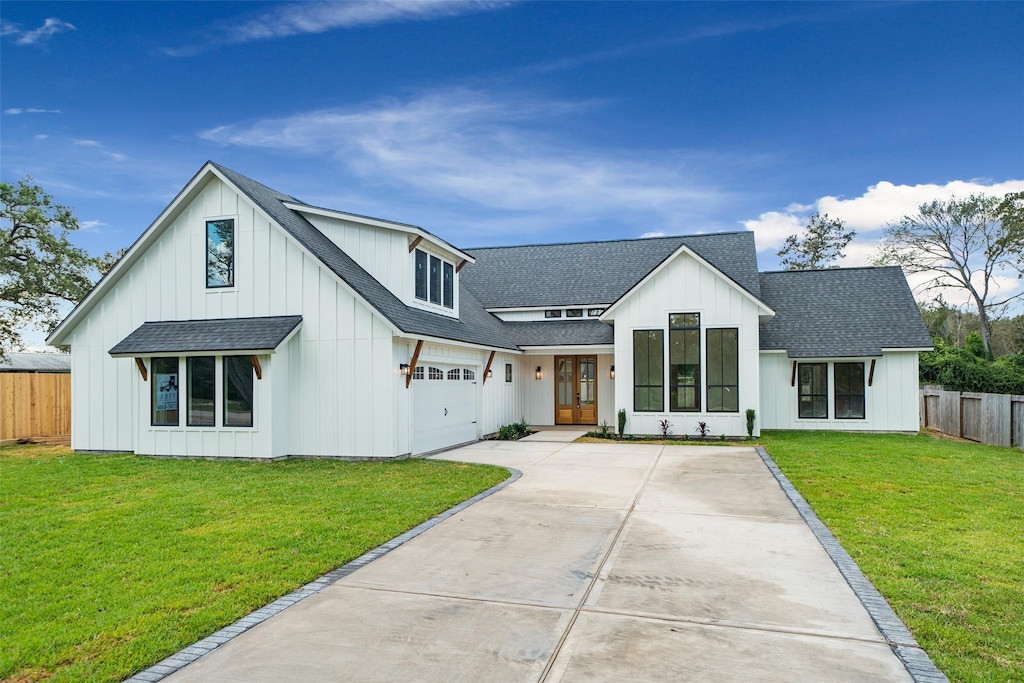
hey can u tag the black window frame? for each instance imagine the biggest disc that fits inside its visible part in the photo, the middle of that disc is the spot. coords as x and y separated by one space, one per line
433 279
193 383
574 313
210 259
820 395
730 389
232 391
843 390
649 339
680 331
553 313
508 373
173 382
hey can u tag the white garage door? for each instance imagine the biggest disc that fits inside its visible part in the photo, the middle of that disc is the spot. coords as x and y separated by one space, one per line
443 406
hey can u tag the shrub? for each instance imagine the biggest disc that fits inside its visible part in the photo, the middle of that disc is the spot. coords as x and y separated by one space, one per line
703 429
751 416
666 428
622 421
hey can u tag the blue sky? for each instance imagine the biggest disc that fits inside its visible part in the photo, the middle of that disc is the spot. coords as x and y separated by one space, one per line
495 123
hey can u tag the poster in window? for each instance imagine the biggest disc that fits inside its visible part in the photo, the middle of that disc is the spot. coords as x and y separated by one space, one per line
167 392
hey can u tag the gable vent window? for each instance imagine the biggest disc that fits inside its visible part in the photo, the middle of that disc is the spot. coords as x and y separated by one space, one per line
553 313
435 279
220 253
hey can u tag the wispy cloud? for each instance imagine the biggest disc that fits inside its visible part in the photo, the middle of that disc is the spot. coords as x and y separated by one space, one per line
307 18
98 146
14 111
479 149
51 27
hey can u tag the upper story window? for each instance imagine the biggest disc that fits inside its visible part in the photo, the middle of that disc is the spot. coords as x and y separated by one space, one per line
435 279
220 253
574 313
594 312
553 313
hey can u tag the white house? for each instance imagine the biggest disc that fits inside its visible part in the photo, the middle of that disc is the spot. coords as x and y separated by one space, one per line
246 323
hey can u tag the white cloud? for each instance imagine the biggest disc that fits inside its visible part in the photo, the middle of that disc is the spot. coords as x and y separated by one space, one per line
652 234
306 18
40 136
90 226
869 213
468 146
51 27
14 111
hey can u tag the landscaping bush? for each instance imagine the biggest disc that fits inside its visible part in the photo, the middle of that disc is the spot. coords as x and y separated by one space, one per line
961 370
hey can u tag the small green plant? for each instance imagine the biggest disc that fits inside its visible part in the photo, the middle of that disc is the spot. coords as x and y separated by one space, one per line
514 431
721 437
622 421
604 430
703 429
751 416
666 428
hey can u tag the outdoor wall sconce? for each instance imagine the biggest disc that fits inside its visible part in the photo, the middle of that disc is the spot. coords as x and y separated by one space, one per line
611 373
538 374
490 373
403 369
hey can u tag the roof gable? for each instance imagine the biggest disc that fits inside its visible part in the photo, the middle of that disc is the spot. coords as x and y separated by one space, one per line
841 312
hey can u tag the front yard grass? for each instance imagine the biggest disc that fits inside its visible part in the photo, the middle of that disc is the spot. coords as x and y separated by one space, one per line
109 563
938 527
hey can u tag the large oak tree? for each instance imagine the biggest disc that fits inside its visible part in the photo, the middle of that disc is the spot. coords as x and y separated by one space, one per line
39 267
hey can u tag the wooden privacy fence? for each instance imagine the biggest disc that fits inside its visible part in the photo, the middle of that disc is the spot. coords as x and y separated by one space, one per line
34 404
996 419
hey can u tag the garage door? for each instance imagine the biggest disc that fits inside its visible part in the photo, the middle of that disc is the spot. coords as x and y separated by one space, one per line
443 407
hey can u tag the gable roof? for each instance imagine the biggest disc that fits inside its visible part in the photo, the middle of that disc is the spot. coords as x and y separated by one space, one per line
841 312
585 273
476 326
190 336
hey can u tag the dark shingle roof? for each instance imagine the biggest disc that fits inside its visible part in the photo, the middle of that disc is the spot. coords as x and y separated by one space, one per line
563 333
36 362
841 312
585 273
185 336
475 326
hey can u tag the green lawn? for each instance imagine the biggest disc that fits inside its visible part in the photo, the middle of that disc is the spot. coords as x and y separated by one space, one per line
938 527
110 563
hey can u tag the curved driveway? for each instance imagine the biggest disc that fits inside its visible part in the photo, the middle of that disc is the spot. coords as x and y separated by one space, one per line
604 562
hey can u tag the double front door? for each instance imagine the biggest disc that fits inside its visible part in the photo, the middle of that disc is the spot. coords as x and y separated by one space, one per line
576 390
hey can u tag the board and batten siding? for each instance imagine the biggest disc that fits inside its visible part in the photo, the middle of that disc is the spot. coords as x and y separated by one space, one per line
539 394
687 286
328 391
891 403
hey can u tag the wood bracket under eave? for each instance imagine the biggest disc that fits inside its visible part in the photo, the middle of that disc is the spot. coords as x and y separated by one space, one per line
871 373
412 363
257 367
415 243
141 365
487 370
792 376
461 263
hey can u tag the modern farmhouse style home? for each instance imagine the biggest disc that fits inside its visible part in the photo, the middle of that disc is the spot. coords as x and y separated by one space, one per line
246 323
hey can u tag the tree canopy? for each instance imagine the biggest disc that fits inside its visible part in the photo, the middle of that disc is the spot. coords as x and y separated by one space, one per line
820 245
964 244
39 267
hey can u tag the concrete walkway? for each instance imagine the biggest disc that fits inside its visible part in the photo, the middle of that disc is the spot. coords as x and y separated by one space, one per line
604 562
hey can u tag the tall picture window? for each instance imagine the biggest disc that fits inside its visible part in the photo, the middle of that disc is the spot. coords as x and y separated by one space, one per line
849 380
648 370
220 253
813 398
434 279
684 361
723 371
238 386
164 375
200 372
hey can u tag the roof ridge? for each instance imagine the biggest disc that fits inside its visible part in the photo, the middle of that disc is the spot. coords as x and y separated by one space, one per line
828 270
615 241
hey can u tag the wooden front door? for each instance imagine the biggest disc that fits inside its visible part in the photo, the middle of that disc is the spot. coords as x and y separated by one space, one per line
576 390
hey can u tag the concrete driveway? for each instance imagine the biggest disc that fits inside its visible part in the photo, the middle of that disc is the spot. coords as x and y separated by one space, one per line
604 562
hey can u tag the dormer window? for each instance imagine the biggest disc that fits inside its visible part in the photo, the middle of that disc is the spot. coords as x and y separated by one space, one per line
435 279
